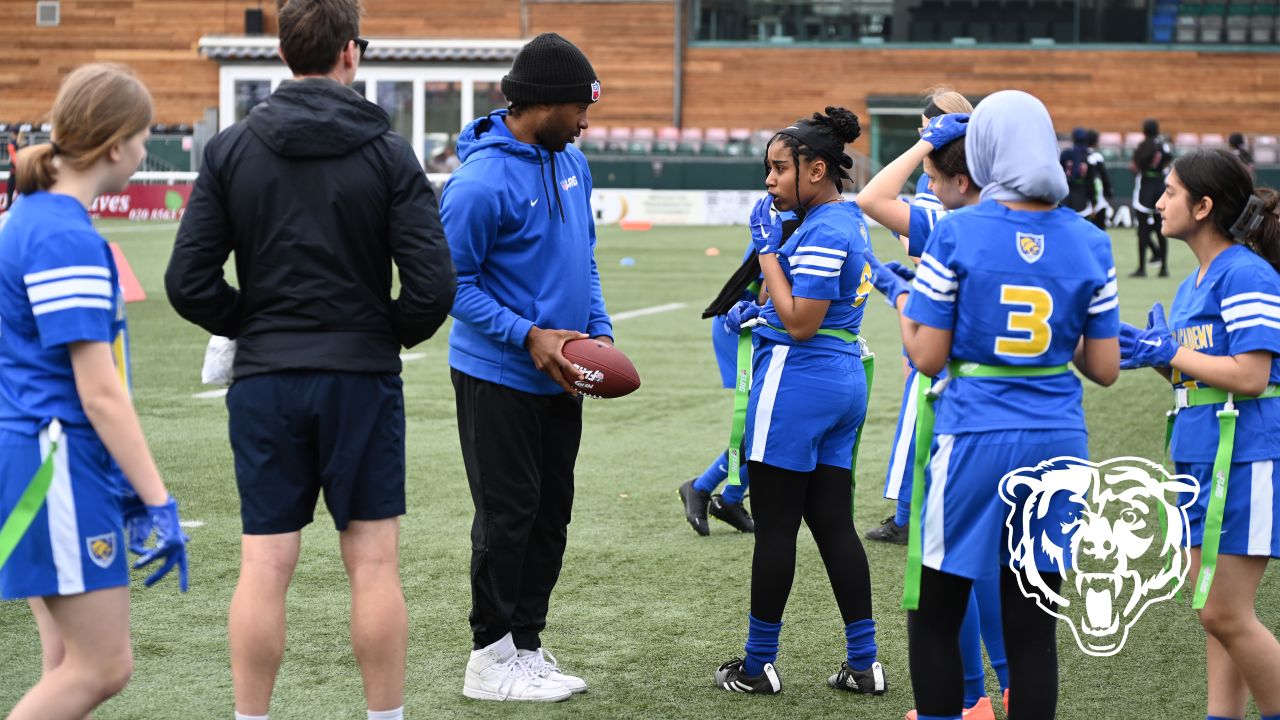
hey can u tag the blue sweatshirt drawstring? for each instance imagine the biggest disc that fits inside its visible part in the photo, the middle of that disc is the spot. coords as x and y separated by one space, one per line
542 176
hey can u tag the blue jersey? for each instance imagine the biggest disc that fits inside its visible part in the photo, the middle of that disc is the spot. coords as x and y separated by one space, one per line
923 219
58 285
824 260
1234 309
1017 288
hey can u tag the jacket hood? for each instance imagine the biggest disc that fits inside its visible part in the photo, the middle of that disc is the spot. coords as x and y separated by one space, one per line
317 117
491 131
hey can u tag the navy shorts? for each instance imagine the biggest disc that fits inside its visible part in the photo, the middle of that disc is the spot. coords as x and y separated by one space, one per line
294 434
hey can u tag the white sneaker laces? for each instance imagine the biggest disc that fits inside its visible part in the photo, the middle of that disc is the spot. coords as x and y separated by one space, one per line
515 672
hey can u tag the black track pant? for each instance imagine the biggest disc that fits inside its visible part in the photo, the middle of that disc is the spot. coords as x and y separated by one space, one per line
1149 223
519 450
937 675
823 499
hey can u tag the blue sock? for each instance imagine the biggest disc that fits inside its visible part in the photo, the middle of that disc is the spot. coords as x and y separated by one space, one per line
762 644
988 594
903 512
1219 717
971 654
938 717
860 644
715 474
734 492
1271 717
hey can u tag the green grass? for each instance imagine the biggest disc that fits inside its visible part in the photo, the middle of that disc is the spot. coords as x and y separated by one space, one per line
645 610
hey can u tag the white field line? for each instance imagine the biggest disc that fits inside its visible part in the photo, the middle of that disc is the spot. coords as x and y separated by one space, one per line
641 312
138 228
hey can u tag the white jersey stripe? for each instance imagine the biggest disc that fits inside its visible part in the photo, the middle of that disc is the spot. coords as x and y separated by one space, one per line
817 260
935 541
1253 323
936 281
68 288
1242 297
932 262
64 528
1248 309
768 395
1261 508
811 271
815 248
898 468
1096 309
69 303
917 286
66 272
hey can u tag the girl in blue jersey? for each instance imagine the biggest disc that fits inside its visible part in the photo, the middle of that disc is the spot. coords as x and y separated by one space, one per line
808 397
1223 336
69 436
941 149
1013 286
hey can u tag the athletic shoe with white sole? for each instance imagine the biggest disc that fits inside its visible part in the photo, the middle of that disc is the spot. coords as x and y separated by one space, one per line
695 507
543 664
867 682
498 673
733 678
733 513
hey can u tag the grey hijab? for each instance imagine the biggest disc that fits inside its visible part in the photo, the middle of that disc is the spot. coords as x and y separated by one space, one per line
1012 150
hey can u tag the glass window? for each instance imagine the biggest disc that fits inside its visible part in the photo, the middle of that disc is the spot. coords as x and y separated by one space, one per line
397 99
248 94
488 97
443 103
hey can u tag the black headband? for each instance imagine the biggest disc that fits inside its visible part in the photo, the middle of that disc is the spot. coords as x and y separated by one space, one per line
828 149
932 111
56 150
1250 219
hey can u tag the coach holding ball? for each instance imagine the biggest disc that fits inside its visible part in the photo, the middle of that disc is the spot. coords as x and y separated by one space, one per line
518 217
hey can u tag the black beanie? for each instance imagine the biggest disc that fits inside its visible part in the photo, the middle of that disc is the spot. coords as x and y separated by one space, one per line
550 70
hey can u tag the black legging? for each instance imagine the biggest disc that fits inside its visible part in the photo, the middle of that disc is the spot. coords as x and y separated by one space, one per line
823 498
1147 224
1030 641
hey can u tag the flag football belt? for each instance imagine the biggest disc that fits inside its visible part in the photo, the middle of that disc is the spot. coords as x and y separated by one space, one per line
925 396
32 499
742 394
1197 397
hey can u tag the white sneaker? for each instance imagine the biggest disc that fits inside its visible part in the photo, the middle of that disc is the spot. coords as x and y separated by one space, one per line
497 673
543 664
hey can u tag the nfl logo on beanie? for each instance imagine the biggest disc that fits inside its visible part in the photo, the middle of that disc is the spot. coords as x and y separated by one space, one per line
550 70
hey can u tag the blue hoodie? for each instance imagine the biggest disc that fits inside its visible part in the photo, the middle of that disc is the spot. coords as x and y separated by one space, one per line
522 235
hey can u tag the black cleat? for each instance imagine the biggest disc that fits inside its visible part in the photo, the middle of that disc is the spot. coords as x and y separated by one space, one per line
865 682
735 514
889 532
695 507
731 677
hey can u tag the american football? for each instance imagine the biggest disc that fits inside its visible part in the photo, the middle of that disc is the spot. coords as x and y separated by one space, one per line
607 372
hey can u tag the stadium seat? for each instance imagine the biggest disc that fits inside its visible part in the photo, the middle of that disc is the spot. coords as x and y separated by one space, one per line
619 139
667 141
1110 145
1266 149
1185 142
641 141
715 141
1212 140
593 139
690 141
739 142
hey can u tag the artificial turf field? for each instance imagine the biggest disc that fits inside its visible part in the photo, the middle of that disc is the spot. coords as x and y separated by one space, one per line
645 610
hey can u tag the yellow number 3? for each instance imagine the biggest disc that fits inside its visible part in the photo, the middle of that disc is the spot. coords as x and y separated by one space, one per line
1034 321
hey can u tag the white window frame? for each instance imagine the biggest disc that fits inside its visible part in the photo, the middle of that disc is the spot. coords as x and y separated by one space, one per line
465 75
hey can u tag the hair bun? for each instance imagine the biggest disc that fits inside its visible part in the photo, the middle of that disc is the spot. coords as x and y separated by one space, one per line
1270 199
843 123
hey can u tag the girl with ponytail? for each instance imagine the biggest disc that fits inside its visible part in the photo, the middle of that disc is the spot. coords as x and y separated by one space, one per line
807 398
78 486
1220 348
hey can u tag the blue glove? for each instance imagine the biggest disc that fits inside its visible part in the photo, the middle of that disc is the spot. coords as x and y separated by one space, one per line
945 128
171 544
137 522
745 310
766 227
888 282
902 271
1152 347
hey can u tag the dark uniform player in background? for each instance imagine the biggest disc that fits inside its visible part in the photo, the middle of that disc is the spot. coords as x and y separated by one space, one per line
1150 165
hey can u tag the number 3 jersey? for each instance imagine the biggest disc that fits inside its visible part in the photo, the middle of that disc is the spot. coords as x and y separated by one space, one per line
1235 309
58 285
1017 288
